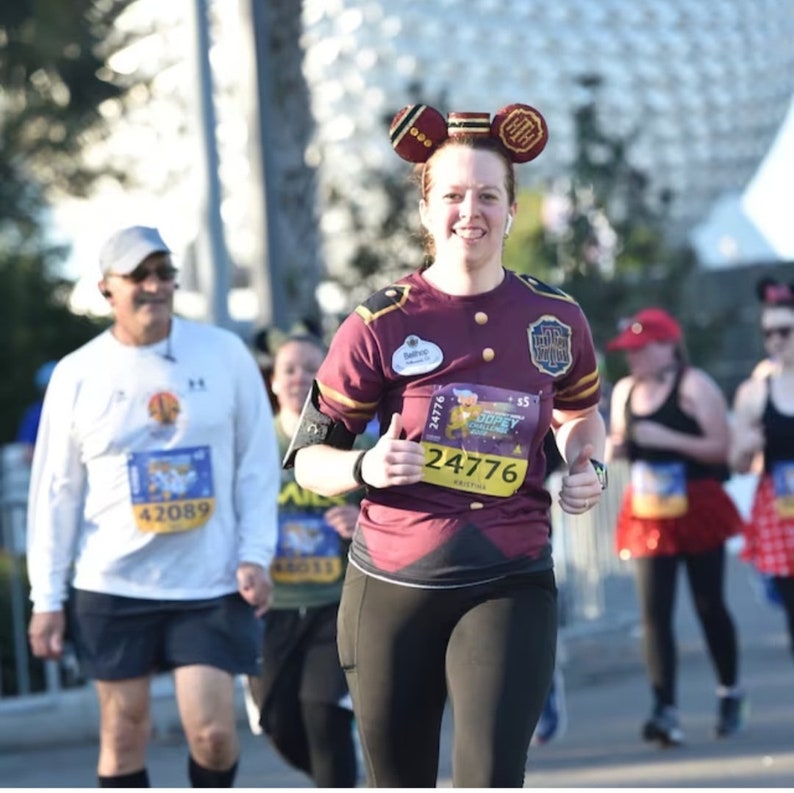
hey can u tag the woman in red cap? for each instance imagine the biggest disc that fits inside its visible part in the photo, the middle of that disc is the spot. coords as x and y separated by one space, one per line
764 426
670 420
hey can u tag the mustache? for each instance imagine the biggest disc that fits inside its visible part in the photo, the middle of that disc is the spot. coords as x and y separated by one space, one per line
144 300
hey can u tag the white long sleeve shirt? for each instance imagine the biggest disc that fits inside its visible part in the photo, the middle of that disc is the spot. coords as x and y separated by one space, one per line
155 472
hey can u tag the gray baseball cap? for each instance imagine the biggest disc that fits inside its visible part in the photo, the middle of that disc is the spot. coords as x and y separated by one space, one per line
127 248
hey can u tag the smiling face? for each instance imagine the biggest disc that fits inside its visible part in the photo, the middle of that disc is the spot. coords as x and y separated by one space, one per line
295 366
143 300
466 205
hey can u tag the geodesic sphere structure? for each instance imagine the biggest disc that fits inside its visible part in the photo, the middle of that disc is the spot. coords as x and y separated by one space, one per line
702 86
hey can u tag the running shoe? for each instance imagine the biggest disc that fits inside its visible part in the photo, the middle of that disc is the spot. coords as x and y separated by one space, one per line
554 716
663 727
731 711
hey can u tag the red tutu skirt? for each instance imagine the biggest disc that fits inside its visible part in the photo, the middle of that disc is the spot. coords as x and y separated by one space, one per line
711 518
769 538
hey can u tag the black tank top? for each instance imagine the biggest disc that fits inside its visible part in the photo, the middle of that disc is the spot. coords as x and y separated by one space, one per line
669 414
778 431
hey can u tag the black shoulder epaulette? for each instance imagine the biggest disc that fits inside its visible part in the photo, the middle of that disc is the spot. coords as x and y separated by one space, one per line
384 301
541 288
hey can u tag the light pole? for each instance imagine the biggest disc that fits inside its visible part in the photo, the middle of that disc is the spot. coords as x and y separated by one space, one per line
211 238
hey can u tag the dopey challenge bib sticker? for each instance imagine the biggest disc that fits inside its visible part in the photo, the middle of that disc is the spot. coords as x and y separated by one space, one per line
783 479
476 438
171 489
308 550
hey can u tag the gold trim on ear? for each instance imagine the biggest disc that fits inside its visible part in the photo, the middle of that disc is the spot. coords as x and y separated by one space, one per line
416 130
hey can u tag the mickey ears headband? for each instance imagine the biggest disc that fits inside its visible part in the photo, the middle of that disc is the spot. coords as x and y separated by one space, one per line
417 130
773 293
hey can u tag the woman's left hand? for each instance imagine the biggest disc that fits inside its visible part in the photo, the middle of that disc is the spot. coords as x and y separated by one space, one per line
580 489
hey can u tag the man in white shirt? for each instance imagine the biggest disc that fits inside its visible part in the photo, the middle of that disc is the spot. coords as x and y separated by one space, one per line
152 514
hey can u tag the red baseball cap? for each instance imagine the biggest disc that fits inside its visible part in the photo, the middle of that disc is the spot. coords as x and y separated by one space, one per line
645 327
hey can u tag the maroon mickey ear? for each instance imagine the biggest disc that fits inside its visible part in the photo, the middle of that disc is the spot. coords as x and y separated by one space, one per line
522 131
416 130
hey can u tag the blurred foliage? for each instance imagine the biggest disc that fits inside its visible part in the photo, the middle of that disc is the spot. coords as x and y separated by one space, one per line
57 90
599 233
56 94
13 574
383 220
36 325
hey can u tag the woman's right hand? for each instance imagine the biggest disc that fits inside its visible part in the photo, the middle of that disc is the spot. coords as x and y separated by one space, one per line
392 460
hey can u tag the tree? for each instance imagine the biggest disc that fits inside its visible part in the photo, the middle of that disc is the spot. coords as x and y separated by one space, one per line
35 325
599 233
56 87
378 237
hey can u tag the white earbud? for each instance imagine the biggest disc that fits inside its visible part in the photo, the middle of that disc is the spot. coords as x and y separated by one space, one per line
508 225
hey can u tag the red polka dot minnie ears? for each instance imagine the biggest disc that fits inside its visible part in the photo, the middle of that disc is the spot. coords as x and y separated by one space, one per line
417 130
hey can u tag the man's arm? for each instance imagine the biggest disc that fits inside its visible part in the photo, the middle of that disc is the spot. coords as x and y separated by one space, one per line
55 503
256 482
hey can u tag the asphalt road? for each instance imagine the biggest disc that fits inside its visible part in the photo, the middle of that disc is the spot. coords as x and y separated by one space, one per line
601 746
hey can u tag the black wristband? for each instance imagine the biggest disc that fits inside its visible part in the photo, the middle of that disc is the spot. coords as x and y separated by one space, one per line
357 475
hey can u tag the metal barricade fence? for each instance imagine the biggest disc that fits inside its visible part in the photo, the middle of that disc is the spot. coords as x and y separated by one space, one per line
13 600
16 663
595 586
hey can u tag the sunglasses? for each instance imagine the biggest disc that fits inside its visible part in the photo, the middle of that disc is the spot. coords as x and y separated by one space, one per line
164 273
784 331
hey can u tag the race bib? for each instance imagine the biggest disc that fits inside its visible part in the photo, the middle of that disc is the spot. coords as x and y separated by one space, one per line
308 550
477 438
171 489
658 490
783 480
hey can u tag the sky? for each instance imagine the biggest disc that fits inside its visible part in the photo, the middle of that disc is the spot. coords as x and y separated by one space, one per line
769 197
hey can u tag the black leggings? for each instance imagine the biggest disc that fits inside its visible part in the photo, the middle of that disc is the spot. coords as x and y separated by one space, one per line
490 647
332 754
656 585
785 588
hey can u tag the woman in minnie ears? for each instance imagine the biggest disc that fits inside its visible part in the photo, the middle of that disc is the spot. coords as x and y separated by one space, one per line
450 592
764 426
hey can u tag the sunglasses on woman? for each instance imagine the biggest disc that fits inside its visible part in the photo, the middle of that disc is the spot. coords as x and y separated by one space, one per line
784 331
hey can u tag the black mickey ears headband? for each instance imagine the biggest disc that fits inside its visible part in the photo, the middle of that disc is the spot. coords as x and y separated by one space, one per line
773 293
417 130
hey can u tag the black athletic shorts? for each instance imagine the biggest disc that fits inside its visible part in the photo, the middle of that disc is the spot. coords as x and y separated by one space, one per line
117 638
